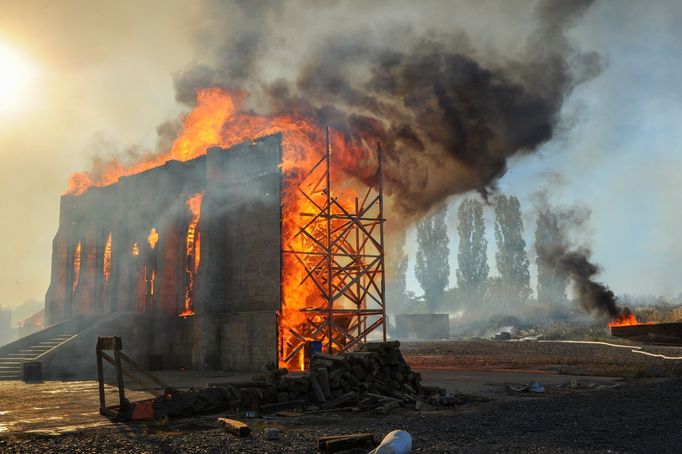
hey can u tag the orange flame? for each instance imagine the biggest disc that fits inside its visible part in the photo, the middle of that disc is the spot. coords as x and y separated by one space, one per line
76 266
136 250
218 120
192 252
153 238
627 318
106 265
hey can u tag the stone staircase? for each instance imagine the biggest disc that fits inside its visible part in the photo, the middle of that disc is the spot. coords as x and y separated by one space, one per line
11 363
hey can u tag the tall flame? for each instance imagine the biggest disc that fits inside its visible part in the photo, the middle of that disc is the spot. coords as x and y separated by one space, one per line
106 265
192 252
76 266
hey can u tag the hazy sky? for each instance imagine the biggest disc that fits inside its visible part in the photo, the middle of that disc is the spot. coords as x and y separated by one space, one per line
104 82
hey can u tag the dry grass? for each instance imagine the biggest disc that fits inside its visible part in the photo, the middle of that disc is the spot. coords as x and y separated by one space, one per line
660 313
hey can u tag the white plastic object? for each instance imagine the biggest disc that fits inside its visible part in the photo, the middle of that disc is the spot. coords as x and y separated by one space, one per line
396 442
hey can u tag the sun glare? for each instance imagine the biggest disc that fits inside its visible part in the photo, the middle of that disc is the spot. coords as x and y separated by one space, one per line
16 76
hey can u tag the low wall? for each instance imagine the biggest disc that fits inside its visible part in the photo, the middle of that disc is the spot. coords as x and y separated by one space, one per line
142 335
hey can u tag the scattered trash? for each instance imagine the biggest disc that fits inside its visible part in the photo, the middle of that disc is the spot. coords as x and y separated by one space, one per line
396 442
517 389
249 414
271 434
536 387
336 443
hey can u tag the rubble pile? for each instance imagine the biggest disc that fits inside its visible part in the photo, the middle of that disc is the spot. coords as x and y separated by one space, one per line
373 378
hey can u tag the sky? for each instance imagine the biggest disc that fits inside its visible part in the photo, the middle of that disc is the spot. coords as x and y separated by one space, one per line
102 76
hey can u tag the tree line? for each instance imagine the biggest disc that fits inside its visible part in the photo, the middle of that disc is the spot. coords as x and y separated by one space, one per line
475 287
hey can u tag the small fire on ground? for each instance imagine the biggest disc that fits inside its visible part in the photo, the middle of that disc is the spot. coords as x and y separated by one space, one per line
627 318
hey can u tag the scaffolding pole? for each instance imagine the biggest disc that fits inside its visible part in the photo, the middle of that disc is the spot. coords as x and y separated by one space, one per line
344 259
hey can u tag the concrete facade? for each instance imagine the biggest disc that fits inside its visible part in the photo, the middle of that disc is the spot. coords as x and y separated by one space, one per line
236 286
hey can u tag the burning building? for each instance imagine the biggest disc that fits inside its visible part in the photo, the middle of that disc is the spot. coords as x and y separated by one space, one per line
196 240
228 252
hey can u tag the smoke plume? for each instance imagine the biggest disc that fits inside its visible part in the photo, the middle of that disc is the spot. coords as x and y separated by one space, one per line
449 119
575 263
593 296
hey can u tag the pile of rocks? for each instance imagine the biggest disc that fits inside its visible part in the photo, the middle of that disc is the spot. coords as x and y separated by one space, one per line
373 378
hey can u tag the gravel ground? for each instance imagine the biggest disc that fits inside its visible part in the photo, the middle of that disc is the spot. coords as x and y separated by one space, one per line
588 359
641 417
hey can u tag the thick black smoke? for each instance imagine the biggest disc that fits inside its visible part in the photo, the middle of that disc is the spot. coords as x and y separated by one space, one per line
593 296
449 120
575 263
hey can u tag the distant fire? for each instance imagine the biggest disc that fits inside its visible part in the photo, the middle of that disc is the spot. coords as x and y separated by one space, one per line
627 318
217 120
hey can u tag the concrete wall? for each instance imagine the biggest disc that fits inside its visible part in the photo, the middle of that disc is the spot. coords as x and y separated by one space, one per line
240 263
241 255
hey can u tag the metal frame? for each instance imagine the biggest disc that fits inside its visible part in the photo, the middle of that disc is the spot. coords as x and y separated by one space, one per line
344 258
115 344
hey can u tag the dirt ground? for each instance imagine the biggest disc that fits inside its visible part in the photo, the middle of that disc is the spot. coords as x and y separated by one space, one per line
576 413
614 358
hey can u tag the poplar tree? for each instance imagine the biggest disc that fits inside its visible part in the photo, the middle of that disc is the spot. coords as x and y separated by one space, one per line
432 266
552 283
472 257
511 257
